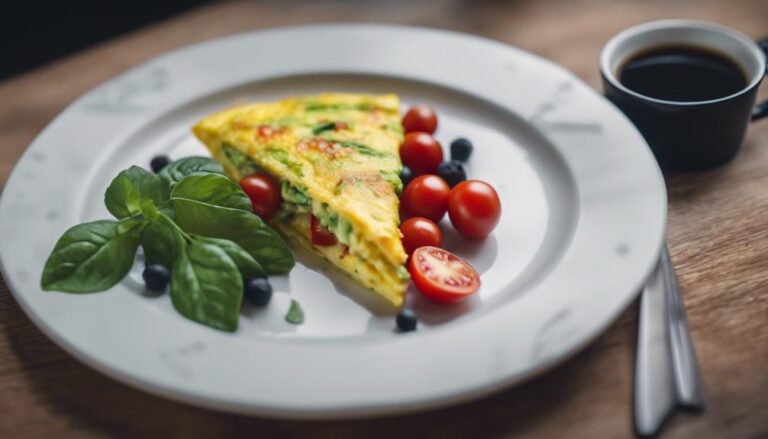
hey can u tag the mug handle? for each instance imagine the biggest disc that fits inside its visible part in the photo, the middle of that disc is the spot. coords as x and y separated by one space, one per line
761 110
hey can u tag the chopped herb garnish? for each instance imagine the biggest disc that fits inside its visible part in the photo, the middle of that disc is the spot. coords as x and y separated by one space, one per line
318 106
393 178
394 126
339 187
295 314
361 148
324 127
295 195
244 164
281 156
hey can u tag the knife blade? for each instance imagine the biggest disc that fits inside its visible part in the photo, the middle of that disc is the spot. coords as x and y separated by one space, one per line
655 394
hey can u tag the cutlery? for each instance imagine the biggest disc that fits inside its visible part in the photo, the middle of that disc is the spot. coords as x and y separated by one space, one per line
654 379
685 367
666 369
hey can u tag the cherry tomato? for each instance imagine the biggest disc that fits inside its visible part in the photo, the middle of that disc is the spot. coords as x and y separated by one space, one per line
263 192
426 196
419 232
474 208
320 234
421 152
442 276
420 118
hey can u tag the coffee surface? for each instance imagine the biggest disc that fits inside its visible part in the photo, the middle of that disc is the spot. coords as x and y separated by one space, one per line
682 73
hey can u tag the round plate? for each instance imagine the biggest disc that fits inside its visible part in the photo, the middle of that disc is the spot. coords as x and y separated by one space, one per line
583 204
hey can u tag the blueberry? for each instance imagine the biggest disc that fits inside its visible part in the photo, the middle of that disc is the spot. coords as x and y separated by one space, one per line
258 291
407 320
452 172
159 162
406 175
156 277
461 149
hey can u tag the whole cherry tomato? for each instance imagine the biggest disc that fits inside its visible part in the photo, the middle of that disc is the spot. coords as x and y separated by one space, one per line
263 192
474 208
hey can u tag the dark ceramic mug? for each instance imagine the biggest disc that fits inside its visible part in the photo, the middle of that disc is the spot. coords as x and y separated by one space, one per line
686 136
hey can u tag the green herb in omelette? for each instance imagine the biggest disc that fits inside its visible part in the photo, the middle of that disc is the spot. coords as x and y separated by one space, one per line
244 164
361 148
328 126
281 156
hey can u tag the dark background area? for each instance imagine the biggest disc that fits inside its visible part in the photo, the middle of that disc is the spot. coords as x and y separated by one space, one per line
33 32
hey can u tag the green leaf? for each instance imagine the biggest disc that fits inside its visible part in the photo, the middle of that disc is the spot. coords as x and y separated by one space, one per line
129 188
179 169
244 228
295 314
206 286
92 256
161 244
243 260
213 189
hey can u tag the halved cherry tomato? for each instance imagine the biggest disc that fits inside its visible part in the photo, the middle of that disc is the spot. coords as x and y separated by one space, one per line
263 192
426 196
419 232
420 118
421 152
442 276
474 208
320 234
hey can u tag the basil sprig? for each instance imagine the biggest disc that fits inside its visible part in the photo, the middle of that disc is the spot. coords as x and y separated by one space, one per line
191 219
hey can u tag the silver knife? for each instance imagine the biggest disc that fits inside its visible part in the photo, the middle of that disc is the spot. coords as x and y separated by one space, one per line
688 386
655 395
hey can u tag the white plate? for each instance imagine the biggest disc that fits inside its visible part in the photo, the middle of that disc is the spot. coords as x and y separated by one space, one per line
584 208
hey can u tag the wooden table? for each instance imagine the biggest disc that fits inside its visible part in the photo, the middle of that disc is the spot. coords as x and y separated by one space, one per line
718 234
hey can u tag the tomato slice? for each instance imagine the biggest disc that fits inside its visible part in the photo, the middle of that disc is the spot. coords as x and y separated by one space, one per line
442 276
320 234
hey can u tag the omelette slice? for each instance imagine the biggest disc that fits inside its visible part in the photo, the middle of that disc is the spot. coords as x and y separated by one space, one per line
336 157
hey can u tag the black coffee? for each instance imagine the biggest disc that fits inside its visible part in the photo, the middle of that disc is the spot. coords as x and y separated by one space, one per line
682 73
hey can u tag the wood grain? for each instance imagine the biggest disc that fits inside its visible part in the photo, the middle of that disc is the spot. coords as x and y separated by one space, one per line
718 235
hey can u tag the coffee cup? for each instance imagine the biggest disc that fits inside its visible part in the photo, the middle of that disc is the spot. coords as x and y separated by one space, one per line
675 79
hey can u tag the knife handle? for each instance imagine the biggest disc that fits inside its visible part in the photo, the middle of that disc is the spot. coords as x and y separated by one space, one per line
654 380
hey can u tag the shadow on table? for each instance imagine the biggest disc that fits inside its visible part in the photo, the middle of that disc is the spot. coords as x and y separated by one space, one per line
94 402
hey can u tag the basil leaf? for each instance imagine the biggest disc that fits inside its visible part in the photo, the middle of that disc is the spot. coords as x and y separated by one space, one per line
129 188
206 286
243 260
161 244
244 228
92 256
213 189
295 314
179 169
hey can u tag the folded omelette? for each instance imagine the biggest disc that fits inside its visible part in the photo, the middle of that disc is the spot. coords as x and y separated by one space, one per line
336 157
